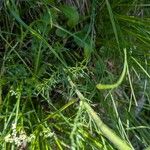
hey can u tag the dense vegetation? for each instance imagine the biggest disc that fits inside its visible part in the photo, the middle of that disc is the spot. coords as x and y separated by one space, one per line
74 74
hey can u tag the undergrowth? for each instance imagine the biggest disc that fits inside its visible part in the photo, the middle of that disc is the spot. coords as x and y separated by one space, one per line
74 74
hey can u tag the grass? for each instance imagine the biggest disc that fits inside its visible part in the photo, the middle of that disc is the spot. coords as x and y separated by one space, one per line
74 75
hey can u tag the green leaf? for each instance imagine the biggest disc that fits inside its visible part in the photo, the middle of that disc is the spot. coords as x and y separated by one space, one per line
87 50
71 14
86 44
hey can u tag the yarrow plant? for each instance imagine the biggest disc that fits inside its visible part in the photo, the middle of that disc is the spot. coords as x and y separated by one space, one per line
19 138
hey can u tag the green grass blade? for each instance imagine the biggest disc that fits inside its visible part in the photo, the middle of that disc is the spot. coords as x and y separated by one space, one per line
105 130
142 68
115 85
112 21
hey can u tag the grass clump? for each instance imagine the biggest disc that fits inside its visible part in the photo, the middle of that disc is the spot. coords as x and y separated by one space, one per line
74 75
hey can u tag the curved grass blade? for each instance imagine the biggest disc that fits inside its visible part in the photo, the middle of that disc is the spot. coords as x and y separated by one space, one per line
115 85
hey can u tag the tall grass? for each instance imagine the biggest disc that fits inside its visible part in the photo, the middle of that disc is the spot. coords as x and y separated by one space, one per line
74 75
